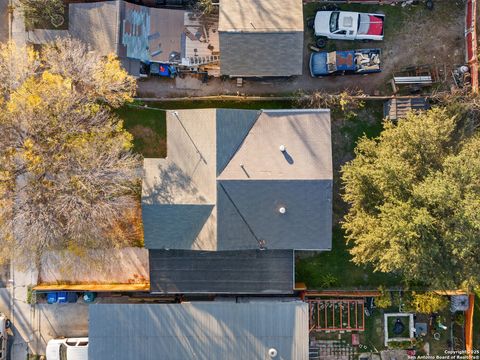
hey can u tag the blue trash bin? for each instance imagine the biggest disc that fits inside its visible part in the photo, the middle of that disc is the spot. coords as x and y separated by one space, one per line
52 297
62 297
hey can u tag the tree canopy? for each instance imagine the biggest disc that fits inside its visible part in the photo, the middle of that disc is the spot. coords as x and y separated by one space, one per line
67 173
414 196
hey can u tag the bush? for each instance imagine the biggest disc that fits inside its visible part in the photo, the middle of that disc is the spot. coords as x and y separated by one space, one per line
384 301
38 12
428 302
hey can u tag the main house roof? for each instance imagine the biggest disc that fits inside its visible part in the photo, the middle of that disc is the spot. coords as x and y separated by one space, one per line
225 182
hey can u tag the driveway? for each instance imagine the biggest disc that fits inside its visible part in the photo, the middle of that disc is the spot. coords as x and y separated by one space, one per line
34 325
4 20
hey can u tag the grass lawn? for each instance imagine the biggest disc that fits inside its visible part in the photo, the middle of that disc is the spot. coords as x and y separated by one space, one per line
148 129
334 269
148 125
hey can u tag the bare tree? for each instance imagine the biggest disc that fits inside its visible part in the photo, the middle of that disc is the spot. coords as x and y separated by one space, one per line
346 100
67 173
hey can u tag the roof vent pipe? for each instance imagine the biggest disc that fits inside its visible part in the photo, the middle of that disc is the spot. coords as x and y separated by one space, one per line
272 352
282 210
282 148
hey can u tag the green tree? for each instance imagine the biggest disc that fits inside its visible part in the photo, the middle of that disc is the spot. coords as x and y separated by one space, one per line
414 195
427 303
67 174
383 301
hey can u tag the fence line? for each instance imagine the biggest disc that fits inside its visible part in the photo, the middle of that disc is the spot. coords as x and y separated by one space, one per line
471 41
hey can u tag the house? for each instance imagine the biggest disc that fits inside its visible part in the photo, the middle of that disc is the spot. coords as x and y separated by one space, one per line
199 330
261 38
238 192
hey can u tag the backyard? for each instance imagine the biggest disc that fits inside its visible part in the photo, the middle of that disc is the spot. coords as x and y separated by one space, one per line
442 331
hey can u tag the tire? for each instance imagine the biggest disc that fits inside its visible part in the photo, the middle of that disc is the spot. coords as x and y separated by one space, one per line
321 42
328 7
8 324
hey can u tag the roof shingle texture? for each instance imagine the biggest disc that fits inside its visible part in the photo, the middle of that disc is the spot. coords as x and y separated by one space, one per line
231 168
221 272
198 330
261 37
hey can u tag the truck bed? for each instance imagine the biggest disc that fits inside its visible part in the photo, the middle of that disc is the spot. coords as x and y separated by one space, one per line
361 61
369 24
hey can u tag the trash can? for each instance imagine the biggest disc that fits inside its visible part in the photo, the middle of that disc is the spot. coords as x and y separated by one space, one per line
89 297
52 297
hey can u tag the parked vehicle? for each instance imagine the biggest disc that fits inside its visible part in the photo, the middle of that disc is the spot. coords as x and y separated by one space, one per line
67 349
4 325
346 25
361 61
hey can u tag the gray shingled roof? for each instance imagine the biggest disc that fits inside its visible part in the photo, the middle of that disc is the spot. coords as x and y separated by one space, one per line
261 54
239 202
261 37
198 330
238 272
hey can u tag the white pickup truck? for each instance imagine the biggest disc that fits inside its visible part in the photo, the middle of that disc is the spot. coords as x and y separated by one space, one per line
346 25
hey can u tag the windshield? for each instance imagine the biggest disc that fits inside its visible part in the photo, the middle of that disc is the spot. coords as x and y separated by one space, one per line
334 21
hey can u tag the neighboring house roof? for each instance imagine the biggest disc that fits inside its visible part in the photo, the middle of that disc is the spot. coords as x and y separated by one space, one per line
261 37
97 24
261 54
239 272
198 330
225 180
260 15
145 33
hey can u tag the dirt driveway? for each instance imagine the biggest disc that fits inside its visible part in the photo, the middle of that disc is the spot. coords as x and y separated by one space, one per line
413 36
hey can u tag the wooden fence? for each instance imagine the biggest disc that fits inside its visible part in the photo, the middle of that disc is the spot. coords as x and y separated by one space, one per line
471 41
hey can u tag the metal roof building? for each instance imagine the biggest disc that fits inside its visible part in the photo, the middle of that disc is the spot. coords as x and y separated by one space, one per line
261 37
200 330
